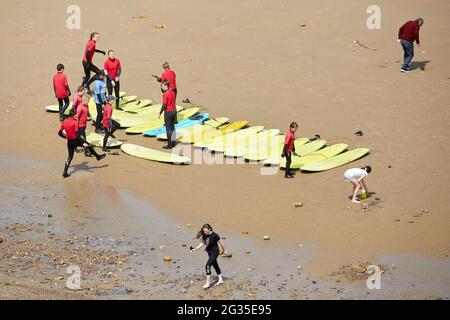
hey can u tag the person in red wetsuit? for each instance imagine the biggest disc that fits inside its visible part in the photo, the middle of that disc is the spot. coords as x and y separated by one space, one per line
82 117
168 75
108 123
77 99
62 90
289 148
407 34
170 112
70 127
113 70
88 64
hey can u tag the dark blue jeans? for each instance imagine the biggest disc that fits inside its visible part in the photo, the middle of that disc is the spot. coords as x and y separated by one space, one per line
408 48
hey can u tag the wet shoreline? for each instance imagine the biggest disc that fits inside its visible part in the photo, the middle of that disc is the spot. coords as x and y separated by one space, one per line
119 242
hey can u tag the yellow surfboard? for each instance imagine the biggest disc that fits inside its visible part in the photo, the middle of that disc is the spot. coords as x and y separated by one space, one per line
274 147
149 113
96 139
307 157
154 122
136 105
336 161
153 155
240 148
197 129
236 139
209 136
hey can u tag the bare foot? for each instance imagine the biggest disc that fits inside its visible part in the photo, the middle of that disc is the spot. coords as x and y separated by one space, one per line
355 201
219 283
206 286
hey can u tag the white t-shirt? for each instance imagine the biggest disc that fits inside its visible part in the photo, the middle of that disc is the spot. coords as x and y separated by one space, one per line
354 174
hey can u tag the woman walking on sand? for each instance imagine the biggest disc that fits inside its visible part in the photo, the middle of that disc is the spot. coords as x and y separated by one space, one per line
212 242
356 177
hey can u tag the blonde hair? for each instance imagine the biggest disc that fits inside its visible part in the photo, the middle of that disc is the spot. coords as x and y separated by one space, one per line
85 99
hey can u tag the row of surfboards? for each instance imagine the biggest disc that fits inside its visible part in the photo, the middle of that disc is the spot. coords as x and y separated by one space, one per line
233 139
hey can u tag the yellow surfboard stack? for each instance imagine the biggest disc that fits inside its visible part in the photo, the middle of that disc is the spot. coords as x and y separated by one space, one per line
233 139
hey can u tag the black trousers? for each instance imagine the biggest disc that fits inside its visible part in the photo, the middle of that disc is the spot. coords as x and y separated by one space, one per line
63 103
116 90
88 67
288 156
212 261
82 133
72 144
114 125
98 120
170 118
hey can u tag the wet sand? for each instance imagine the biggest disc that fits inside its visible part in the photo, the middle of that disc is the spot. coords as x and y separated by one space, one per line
267 69
119 243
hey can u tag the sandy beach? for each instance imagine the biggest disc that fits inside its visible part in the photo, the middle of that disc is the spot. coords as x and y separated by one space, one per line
266 62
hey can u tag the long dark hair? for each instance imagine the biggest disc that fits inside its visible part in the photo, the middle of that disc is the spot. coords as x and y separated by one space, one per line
93 34
200 234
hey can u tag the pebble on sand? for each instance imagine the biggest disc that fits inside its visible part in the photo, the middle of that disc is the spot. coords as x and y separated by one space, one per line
49 215
189 225
359 269
410 221
300 245
227 255
298 204
167 258
299 268
266 238
162 247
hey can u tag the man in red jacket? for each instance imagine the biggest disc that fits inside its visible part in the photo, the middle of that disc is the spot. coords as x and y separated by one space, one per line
168 75
407 34
62 90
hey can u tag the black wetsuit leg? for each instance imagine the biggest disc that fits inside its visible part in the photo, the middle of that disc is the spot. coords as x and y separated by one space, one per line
71 145
117 93
170 119
212 261
88 67
287 171
98 120
105 139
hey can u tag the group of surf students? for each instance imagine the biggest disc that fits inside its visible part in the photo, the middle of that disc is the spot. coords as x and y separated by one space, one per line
73 128
106 82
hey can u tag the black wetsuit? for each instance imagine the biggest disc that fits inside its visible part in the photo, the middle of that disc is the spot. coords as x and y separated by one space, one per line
89 66
113 126
116 89
72 144
212 247
288 155
63 104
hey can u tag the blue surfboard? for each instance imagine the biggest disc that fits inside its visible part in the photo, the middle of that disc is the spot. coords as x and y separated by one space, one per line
198 118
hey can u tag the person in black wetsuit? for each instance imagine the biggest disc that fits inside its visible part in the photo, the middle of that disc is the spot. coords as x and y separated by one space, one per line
88 65
212 242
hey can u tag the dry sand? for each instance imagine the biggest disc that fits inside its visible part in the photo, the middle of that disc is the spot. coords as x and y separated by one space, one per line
252 61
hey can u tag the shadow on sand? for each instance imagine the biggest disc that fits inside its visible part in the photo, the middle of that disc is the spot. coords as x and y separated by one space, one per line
84 166
418 65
